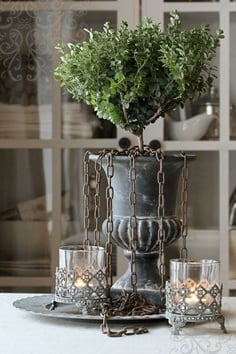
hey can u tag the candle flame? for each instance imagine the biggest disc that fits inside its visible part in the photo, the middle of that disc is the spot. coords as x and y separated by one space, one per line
79 283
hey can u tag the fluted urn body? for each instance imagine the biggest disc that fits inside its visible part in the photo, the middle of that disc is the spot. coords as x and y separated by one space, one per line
146 201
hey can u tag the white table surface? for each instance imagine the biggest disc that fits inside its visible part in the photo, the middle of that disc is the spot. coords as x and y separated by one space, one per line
22 332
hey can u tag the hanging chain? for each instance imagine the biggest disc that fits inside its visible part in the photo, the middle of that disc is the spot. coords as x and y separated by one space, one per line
97 199
86 189
109 230
184 205
133 223
161 231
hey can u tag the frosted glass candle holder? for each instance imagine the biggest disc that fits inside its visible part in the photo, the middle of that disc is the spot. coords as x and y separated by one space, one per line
193 293
81 278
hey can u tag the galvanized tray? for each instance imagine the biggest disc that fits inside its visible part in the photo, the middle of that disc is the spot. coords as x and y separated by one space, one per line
43 304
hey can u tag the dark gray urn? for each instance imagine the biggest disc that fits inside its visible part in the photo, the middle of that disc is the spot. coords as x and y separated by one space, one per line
147 221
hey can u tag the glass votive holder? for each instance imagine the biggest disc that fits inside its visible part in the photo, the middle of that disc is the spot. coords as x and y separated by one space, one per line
193 293
81 277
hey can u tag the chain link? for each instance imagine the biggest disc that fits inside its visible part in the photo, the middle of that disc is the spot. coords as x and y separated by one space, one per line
184 206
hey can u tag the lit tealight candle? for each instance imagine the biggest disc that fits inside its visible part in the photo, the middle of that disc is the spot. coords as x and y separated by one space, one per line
192 300
79 283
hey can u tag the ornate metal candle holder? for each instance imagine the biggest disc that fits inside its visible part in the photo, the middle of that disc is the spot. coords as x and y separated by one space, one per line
80 278
193 293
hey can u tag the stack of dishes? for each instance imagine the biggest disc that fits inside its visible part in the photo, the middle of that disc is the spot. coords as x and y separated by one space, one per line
78 121
25 122
25 268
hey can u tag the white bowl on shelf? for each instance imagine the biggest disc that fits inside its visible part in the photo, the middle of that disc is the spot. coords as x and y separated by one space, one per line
190 129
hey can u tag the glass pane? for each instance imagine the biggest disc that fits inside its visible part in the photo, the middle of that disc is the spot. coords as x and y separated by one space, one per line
72 199
207 105
25 74
232 48
72 196
25 212
78 119
203 186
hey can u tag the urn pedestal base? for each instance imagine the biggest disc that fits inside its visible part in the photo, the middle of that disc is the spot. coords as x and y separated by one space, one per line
148 278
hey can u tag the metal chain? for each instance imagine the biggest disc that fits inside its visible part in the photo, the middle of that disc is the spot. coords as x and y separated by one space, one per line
161 231
133 222
184 206
86 189
127 305
127 331
109 230
97 199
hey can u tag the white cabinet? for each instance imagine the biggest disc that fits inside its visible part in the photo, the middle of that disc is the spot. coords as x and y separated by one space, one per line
41 138
213 174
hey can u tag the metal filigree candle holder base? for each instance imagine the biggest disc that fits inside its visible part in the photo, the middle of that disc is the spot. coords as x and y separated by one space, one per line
199 304
86 289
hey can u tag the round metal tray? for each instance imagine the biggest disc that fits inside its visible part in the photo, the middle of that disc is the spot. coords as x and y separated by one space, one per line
42 304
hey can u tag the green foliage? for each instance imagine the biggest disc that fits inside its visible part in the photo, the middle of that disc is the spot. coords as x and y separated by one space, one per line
132 77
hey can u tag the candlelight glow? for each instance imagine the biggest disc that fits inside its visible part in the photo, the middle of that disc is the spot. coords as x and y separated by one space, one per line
192 299
79 283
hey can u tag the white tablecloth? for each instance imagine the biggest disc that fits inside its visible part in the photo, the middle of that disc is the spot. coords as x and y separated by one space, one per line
24 333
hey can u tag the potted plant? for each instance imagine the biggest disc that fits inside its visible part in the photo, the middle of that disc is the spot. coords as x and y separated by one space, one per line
132 78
